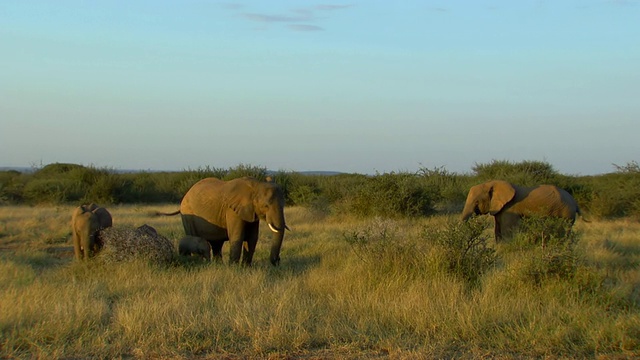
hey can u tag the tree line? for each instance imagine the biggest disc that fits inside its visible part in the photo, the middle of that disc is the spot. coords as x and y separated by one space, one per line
421 193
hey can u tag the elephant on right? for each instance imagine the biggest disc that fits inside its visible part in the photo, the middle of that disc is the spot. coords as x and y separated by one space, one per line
509 203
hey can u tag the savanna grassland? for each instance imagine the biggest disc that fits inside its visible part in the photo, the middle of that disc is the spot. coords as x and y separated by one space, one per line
376 266
347 287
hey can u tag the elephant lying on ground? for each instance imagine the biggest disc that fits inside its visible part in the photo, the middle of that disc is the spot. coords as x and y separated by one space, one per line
509 203
219 210
86 223
195 245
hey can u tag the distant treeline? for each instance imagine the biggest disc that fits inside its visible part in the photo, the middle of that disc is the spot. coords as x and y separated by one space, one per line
425 192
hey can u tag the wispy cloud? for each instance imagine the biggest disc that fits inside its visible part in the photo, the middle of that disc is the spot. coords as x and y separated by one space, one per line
623 2
302 27
264 18
231 6
298 19
327 7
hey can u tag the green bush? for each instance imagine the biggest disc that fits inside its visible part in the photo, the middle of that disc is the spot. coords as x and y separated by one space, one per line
391 195
10 186
258 172
57 170
462 248
544 231
338 188
383 252
615 195
52 191
459 250
524 173
449 189
550 247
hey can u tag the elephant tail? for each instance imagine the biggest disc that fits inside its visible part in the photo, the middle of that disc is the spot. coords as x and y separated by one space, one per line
158 213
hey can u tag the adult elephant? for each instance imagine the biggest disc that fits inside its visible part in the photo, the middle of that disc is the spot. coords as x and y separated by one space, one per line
510 203
86 222
218 210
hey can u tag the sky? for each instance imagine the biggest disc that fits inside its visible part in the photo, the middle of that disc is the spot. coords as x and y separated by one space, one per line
352 86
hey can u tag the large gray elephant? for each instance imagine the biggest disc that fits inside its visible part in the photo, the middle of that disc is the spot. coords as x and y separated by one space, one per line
509 203
218 211
86 222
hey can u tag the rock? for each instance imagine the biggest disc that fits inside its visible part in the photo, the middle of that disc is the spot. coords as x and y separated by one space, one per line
126 244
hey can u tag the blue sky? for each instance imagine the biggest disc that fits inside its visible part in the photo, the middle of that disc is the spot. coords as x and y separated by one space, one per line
366 87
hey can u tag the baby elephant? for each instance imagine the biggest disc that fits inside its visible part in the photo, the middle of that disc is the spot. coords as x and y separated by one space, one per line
195 245
86 223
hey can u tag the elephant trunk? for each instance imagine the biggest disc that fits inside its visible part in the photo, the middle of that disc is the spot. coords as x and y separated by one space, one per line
469 209
277 225
275 248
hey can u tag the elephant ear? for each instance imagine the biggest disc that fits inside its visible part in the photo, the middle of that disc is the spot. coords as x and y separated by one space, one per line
242 204
501 192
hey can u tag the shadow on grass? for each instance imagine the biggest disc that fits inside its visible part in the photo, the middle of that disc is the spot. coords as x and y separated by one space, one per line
622 249
39 260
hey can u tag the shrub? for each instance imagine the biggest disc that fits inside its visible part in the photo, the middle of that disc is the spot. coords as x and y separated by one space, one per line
524 173
287 181
258 172
545 231
391 195
56 170
459 250
615 195
10 186
103 190
304 195
142 188
52 191
463 248
339 188
383 252
550 249
184 180
449 190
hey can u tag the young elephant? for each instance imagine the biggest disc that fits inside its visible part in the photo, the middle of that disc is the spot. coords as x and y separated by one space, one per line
86 223
195 245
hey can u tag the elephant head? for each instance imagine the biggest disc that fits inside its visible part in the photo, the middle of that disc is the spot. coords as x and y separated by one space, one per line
261 201
488 198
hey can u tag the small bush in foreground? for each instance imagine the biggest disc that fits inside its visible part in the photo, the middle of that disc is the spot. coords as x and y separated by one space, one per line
459 249
551 247
463 248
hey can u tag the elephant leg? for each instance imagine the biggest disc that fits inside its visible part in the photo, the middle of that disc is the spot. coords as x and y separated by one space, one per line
86 246
497 229
236 251
76 245
251 239
507 225
236 233
216 249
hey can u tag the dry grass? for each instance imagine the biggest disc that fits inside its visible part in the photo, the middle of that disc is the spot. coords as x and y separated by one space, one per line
324 301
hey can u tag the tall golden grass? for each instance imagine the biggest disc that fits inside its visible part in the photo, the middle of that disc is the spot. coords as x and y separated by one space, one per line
325 300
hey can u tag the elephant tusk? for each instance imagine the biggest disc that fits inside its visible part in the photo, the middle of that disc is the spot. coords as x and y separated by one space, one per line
273 228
